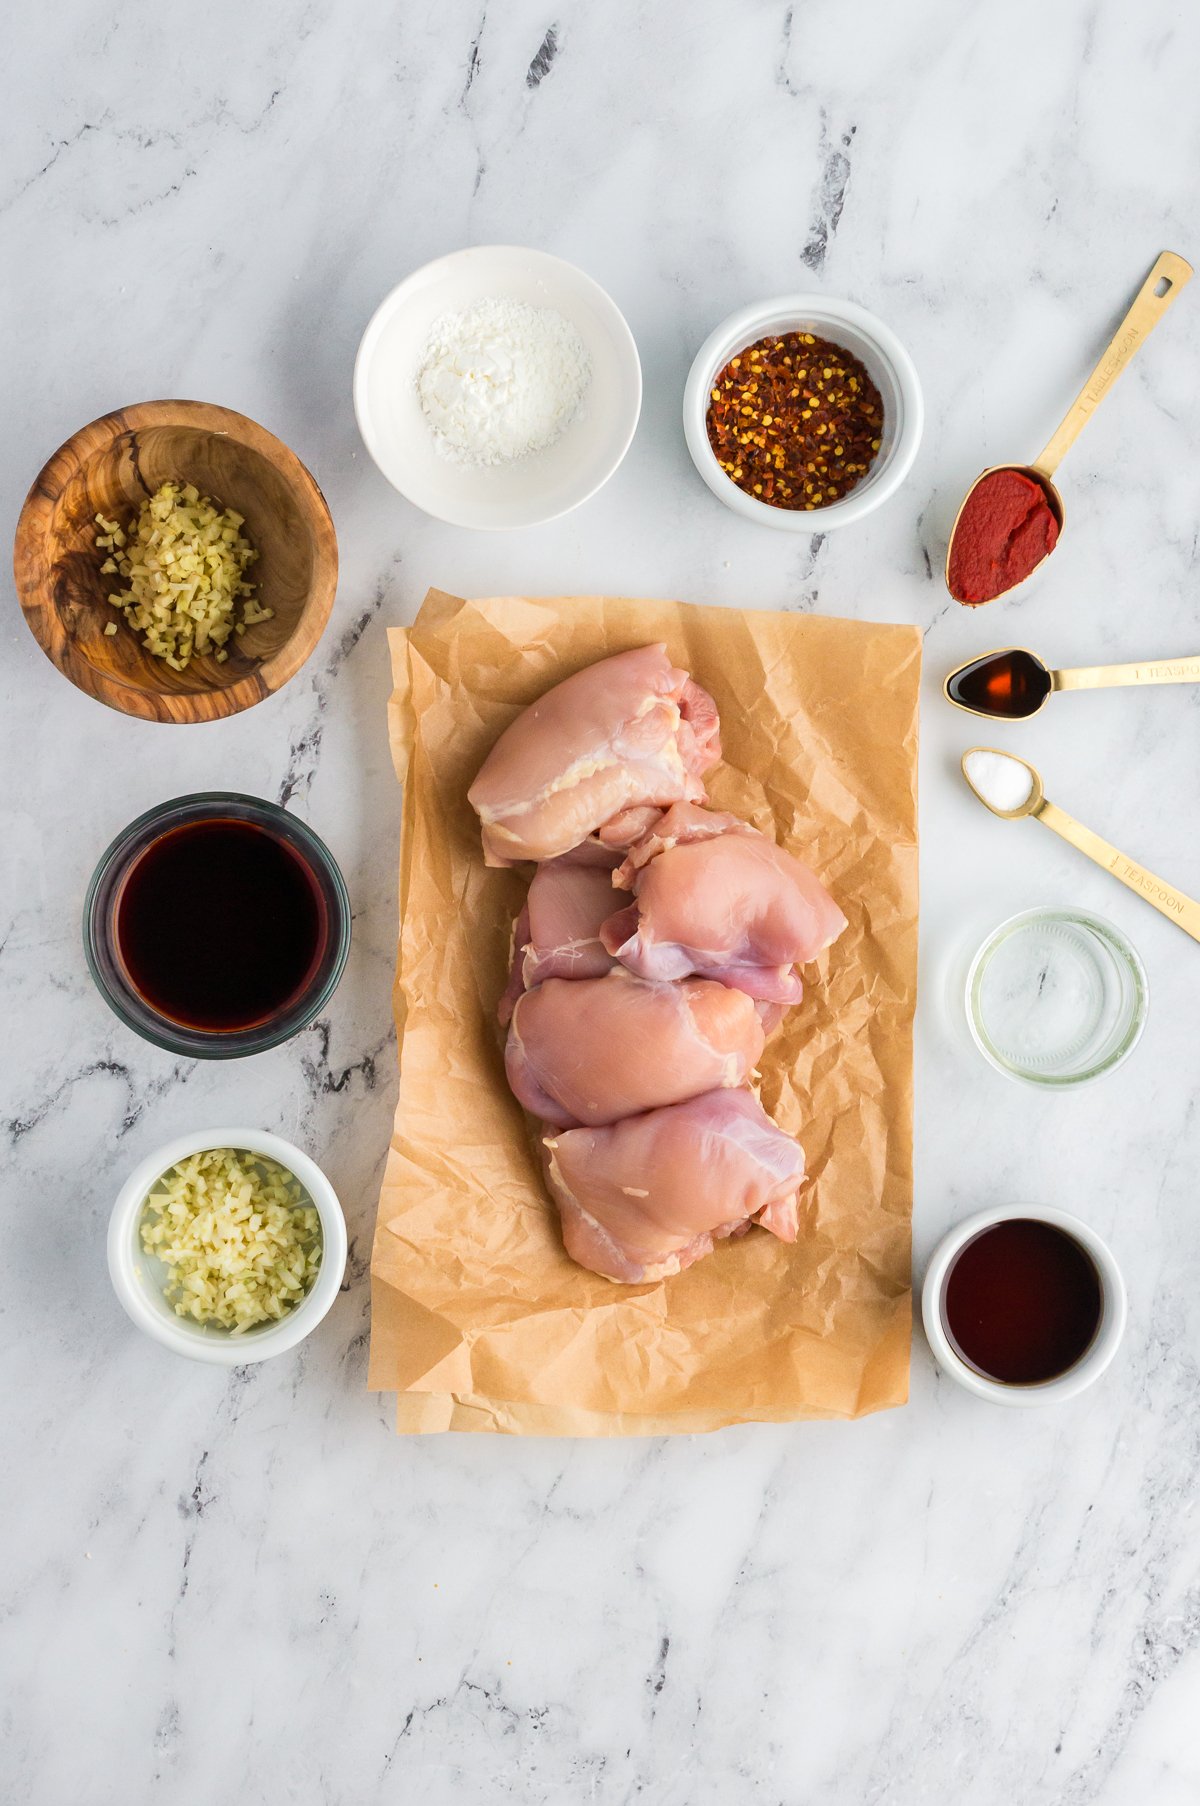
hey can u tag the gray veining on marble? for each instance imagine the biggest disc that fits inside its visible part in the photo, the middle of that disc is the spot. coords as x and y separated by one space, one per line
243 1585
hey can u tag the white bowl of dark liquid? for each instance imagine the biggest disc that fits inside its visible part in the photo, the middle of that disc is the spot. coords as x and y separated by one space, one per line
1023 1305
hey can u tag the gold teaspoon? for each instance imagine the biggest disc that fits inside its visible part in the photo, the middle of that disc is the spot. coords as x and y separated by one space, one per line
1170 275
1012 683
1023 794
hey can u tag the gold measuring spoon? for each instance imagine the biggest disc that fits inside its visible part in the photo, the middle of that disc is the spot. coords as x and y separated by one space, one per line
1012 683
1012 788
1171 274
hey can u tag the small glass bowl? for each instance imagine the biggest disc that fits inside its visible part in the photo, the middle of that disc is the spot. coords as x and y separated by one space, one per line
107 968
1056 997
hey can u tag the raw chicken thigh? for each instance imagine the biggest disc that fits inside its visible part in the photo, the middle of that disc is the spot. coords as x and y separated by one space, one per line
557 934
593 1050
643 1199
624 733
634 1026
716 897
609 844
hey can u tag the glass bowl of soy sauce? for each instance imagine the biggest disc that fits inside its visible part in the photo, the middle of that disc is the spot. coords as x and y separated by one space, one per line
217 925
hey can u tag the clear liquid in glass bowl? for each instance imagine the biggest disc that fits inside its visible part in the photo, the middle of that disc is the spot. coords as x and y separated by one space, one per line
1056 997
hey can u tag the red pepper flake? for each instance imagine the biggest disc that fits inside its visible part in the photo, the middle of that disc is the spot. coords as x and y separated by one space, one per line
1004 531
795 421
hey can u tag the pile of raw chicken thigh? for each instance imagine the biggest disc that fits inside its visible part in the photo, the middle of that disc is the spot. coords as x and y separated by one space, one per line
655 953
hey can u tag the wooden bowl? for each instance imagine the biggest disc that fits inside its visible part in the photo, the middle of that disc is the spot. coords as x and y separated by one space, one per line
109 468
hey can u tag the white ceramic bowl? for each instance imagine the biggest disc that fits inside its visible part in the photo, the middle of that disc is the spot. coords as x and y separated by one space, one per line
138 1278
529 490
1092 1362
857 331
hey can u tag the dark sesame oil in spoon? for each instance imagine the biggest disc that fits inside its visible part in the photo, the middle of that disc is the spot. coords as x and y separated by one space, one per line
1011 684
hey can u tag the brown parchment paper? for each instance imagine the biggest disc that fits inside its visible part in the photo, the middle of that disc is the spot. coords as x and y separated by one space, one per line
479 1320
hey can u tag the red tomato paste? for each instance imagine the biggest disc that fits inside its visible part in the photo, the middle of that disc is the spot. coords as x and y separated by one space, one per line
1006 528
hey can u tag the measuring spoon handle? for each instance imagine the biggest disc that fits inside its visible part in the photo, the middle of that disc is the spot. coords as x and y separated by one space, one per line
1111 677
1168 901
1147 310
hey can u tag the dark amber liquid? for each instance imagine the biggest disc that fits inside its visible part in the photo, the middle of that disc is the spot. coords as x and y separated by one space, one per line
1022 1302
220 926
1011 684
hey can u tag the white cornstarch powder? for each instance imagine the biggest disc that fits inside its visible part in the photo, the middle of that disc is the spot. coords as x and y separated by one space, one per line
1002 781
500 380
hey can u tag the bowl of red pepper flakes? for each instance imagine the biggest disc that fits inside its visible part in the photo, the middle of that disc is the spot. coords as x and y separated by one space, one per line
804 412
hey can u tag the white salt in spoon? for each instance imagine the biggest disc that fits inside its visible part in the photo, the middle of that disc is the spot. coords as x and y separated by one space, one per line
1011 788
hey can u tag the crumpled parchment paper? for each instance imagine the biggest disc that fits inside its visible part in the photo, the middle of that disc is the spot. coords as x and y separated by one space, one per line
479 1320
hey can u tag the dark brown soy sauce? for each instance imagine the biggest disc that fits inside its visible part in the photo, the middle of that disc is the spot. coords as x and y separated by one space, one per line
1011 684
1022 1302
220 925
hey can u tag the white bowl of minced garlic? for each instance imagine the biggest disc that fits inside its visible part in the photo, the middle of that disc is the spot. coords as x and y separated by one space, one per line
228 1245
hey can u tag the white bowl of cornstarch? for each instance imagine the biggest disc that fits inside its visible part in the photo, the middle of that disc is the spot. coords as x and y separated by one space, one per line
497 387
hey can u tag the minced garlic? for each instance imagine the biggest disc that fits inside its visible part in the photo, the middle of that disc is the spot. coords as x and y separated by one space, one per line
184 561
240 1239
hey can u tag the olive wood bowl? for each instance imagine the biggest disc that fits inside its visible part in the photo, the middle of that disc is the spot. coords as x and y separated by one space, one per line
109 468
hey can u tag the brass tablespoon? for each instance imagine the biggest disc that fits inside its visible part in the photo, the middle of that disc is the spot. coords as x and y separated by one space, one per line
1012 788
1170 275
1012 683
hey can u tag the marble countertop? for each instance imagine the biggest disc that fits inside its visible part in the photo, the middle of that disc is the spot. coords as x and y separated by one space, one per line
218 1585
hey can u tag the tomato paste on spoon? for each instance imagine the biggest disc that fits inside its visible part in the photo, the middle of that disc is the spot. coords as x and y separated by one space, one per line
1005 529
1012 518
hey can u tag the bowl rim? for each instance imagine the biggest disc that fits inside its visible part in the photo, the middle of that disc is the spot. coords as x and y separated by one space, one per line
740 329
1095 1359
220 1348
395 297
33 570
